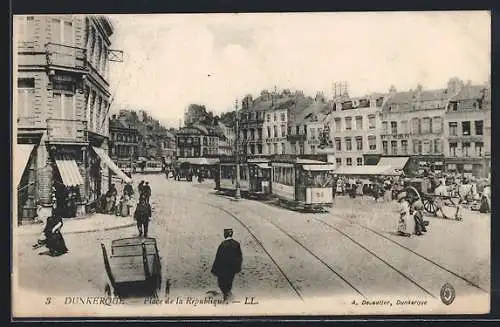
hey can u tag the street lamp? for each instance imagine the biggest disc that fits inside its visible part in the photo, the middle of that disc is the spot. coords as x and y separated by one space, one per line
237 193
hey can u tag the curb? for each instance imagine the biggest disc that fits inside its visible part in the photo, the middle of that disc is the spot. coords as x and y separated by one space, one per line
101 229
83 231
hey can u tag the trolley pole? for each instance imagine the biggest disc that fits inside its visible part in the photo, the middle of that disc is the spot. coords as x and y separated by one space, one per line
237 193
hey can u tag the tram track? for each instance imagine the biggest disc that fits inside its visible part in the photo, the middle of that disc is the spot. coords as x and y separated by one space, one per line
295 288
430 262
436 264
258 241
412 281
400 245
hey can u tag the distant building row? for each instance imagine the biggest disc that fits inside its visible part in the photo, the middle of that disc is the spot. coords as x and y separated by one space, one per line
446 129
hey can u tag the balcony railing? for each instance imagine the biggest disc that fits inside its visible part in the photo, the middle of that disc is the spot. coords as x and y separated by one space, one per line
25 122
60 55
395 136
296 137
66 131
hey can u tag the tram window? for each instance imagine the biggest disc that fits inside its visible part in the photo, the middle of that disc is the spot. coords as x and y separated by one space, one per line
319 179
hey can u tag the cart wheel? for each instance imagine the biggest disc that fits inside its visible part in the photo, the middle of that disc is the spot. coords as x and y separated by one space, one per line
428 206
107 290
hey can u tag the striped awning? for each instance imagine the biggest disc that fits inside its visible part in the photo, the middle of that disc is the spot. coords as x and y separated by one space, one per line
111 165
22 153
68 169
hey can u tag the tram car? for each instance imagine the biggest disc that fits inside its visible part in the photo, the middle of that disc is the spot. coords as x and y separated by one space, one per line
303 183
225 180
259 172
254 177
153 167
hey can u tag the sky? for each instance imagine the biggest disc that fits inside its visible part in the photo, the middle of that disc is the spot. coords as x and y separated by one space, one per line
172 60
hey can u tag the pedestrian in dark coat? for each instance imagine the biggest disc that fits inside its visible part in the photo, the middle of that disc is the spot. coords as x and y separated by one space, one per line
128 190
140 187
142 215
147 192
54 240
227 263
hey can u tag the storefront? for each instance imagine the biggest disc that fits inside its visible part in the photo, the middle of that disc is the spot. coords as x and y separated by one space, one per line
471 167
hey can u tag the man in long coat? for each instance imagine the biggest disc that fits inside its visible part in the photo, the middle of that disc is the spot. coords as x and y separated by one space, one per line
227 263
142 215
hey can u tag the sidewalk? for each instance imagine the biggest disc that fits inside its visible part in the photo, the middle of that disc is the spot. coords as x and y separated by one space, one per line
91 223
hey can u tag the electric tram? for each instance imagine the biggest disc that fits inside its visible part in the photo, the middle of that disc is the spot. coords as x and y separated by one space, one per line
254 177
302 182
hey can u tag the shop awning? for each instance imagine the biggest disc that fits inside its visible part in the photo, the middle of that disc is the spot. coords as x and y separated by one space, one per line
111 165
200 161
22 153
319 167
367 170
397 163
263 165
68 169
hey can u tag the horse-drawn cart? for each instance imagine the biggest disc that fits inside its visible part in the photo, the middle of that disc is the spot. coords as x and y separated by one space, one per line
133 268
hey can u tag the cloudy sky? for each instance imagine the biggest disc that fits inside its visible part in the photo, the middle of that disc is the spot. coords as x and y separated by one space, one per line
171 61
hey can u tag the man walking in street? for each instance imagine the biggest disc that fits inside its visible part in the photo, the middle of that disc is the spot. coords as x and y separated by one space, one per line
141 188
142 215
227 263
147 191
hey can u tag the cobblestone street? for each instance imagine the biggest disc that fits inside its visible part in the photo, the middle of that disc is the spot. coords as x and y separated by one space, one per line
351 251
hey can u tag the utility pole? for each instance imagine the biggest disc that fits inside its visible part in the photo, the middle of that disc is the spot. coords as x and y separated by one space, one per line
237 193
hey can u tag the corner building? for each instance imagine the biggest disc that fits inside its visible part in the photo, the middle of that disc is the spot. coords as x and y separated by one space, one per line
61 105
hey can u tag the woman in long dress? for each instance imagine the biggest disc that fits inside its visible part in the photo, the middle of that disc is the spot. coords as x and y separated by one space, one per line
404 215
125 208
54 240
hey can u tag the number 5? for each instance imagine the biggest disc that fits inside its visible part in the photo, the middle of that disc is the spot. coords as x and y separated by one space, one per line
48 300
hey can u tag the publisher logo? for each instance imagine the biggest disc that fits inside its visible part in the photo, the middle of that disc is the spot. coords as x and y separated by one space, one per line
447 294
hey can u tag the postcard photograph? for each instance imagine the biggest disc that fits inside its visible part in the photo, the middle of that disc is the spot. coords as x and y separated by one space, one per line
251 164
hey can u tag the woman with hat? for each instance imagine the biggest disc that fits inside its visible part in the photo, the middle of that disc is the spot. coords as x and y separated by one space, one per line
404 213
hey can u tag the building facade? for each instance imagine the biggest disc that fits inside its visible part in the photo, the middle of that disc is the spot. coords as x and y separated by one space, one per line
196 141
62 105
467 131
413 126
354 129
123 143
251 124
167 147
266 122
226 139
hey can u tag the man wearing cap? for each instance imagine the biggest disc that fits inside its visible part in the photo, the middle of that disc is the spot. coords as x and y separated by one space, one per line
227 263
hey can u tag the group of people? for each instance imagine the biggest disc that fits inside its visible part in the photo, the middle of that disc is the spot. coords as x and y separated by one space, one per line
121 206
411 208
189 172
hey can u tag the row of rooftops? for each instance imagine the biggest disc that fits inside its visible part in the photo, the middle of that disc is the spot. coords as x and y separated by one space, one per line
307 109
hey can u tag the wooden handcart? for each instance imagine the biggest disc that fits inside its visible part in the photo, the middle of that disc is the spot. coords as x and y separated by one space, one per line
133 268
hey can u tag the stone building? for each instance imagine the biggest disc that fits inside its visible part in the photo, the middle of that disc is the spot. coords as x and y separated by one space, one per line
123 143
197 141
354 129
266 122
467 131
226 139
61 108
412 126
